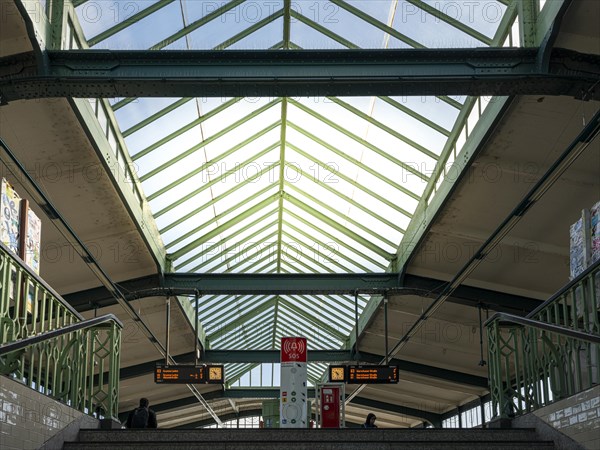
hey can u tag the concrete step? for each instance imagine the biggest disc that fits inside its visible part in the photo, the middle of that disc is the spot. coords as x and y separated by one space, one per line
311 435
340 445
312 439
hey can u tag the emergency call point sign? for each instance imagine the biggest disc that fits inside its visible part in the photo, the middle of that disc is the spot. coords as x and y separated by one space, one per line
293 349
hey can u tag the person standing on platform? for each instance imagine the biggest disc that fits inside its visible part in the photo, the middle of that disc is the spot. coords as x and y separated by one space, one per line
370 422
142 416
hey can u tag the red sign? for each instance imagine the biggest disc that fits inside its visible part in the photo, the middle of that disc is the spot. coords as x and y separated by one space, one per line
293 349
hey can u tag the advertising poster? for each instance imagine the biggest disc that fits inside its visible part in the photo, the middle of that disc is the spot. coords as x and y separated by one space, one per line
10 209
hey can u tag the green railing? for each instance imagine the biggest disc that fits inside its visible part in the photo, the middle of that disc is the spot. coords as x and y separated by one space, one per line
47 345
552 354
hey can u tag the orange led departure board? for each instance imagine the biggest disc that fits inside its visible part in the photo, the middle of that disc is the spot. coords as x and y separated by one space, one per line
214 374
372 374
364 374
179 374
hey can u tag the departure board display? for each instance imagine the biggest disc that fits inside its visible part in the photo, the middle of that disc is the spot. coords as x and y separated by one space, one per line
212 374
363 374
179 374
372 374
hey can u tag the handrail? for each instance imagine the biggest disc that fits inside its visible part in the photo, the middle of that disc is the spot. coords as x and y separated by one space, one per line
566 288
505 317
23 343
24 266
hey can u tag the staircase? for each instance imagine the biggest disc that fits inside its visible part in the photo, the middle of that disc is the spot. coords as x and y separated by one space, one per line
312 439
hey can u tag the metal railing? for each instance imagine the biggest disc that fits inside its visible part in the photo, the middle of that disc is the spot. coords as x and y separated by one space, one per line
551 354
48 346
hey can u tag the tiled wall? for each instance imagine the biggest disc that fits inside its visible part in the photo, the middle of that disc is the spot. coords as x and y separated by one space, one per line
578 417
28 418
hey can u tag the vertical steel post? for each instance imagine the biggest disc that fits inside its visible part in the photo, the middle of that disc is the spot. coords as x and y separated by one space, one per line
168 314
385 318
356 321
196 347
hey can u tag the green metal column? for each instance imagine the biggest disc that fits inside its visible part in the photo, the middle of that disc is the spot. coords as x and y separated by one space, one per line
528 12
57 22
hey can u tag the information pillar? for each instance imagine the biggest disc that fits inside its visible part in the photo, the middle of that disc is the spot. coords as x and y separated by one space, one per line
293 383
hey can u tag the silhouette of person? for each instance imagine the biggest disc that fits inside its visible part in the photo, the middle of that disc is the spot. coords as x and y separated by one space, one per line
142 416
370 421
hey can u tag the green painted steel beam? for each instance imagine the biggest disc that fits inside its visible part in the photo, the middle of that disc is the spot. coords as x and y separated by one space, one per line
230 73
282 158
208 140
347 179
310 250
224 308
206 251
430 123
222 242
303 265
344 314
243 318
248 31
223 45
162 141
314 320
366 144
152 286
304 283
251 268
376 23
221 215
342 217
231 316
225 315
323 30
195 25
322 245
128 22
222 255
211 183
342 196
390 130
355 237
438 14
225 226
147 121
219 197
528 11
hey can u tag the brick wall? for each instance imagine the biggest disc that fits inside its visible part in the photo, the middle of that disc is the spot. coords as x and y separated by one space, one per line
28 418
578 417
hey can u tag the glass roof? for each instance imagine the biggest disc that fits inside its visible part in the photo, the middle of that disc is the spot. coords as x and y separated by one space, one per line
289 185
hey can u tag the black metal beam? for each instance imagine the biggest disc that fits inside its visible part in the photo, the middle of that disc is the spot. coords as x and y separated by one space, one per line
280 283
274 393
290 284
230 73
429 371
433 418
224 418
100 297
179 403
240 393
272 356
473 296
